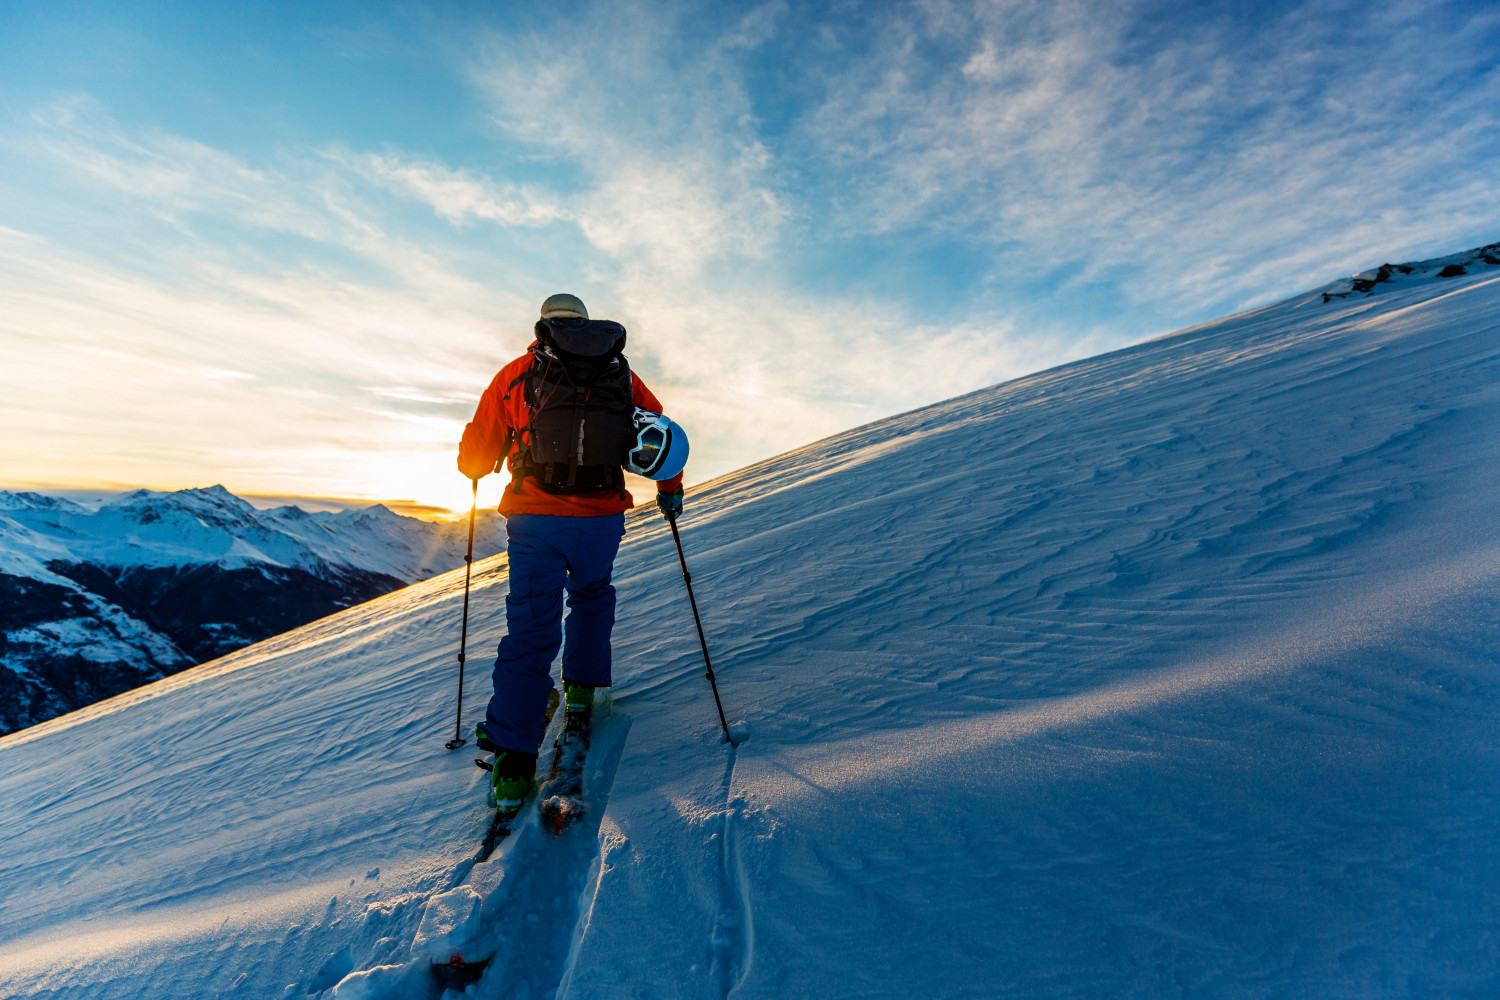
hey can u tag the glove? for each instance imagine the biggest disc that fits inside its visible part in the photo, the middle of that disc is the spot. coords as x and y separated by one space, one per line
670 503
476 458
473 470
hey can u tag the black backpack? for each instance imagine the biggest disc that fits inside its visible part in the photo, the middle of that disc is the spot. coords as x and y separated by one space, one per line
580 398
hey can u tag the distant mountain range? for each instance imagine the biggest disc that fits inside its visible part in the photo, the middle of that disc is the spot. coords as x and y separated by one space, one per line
98 600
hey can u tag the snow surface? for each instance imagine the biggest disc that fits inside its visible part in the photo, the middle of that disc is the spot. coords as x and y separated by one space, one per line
1173 672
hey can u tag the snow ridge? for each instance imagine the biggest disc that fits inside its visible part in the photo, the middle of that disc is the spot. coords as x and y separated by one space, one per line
212 526
1393 276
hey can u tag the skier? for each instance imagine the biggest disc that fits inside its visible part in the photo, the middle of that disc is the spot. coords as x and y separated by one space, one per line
565 417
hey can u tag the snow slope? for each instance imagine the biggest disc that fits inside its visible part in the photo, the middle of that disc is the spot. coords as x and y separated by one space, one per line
1173 672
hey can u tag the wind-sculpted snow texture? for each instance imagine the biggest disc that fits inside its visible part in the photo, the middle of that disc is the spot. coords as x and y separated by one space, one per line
1168 673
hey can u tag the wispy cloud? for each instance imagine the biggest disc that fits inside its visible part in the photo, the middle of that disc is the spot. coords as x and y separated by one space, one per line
1194 161
1198 157
672 182
459 196
113 377
210 351
172 176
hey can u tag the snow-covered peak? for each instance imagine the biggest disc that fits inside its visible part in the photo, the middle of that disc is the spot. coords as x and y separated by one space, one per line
378 511
289 512
215 503
23 554
203 568
23 500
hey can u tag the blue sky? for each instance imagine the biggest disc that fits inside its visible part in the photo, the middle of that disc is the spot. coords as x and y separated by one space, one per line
284 246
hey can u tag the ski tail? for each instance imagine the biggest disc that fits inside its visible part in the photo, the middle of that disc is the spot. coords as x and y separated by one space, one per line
563 802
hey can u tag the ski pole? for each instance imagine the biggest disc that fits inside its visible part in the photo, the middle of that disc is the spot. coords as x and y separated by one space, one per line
463 635
687 578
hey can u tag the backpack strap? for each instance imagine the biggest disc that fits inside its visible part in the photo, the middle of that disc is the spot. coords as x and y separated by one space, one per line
529 380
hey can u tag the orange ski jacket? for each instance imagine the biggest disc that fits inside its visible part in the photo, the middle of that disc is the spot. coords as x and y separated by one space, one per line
491 436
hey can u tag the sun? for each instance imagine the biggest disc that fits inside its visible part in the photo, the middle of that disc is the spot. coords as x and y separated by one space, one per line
429 483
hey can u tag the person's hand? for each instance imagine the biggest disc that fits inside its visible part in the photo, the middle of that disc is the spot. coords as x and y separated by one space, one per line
670 503
473 470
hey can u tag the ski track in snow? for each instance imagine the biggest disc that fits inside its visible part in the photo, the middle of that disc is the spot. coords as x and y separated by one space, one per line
536 895
1169 673
733 940
550 899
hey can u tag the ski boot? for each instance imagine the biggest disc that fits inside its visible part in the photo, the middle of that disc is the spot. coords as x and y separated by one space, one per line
512 776
578 704
512 773
579 699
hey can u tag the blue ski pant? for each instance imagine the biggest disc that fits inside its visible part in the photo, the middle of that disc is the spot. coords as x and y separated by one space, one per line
550 554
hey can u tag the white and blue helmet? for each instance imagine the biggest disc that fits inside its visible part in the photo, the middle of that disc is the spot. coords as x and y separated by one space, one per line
660 450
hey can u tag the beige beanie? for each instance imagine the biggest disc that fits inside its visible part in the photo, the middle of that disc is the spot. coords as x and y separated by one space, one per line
564 306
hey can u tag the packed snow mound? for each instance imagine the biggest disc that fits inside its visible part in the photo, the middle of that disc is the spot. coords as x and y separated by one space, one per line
1172 672
1391 276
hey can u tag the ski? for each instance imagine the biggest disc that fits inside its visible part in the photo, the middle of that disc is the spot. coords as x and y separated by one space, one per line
562 795
500 822
498 830
456 974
